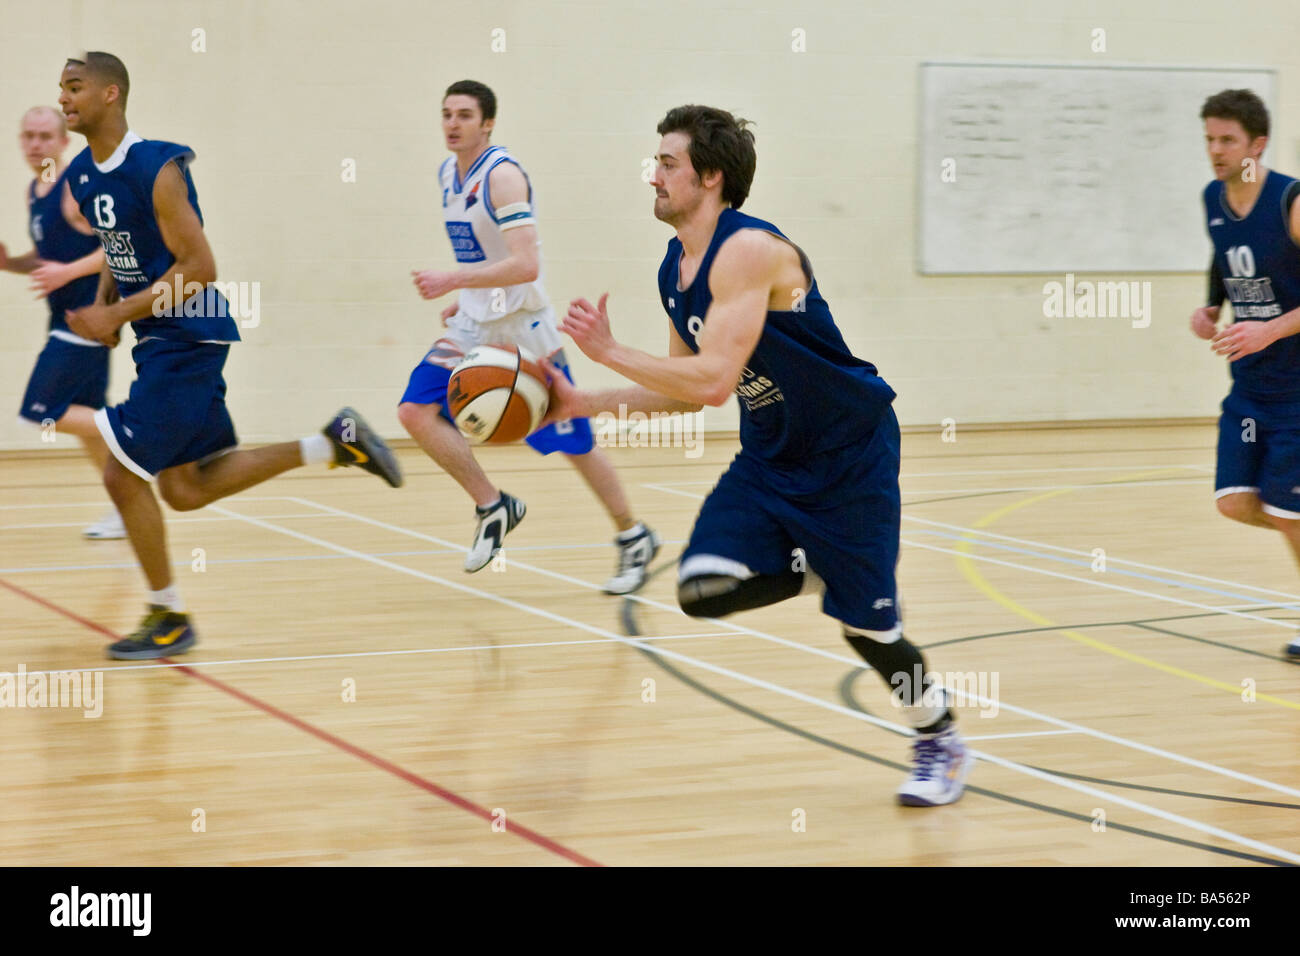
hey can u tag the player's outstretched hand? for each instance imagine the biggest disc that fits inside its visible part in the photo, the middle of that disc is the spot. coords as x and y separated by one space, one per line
588 326
433 284
448 312
1205 321
565 400
1242 338
49 276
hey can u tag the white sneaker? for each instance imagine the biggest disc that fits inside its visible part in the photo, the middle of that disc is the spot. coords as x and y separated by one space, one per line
940 763
107 528
493 526
634 556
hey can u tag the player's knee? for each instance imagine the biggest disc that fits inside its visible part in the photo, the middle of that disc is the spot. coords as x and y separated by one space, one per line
121 482
1239 507
181 497
410 414
708 595
717 595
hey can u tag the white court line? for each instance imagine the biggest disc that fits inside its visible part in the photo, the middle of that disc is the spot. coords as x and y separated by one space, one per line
777 689
1028 733
856 663
1103 584
113 669
185 563
1059 722
1109 558
171 519
1102 486
996 471
103 502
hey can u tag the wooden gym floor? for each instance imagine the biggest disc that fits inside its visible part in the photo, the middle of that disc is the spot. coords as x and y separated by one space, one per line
1123 638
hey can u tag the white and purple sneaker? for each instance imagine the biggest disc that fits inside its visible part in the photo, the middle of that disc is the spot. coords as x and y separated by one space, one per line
940 763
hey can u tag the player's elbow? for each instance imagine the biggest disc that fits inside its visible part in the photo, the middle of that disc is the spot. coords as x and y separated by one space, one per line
716 396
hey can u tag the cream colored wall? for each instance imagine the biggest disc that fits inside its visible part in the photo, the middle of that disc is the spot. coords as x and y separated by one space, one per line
286 91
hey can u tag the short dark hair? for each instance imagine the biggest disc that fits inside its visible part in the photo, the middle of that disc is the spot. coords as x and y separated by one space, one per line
487 100
106 68
1240 105
719 142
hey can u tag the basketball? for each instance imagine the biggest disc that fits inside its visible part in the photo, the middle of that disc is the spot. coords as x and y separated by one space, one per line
498 395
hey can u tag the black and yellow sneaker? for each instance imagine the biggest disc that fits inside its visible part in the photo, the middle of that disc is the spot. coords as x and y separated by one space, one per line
162 633
357 445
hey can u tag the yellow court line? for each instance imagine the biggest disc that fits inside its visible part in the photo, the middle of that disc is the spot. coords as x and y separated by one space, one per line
981 584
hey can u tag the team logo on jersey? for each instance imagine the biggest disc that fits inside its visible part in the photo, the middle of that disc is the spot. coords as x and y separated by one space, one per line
464 243
1216 222
472 198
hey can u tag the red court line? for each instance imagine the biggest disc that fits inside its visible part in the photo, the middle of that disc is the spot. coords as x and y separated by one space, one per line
455 799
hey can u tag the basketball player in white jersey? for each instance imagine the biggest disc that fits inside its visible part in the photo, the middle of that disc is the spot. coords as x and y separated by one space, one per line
487 203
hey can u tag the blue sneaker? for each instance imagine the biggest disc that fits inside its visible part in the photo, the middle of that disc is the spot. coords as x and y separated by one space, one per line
940 763
1292 650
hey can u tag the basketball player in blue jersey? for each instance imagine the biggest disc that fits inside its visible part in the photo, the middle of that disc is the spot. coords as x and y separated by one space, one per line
139 197
1254 223
64 265
488 207
811 502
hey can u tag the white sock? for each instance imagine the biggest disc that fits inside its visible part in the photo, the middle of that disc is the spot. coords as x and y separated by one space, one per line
316 450
625 536
169 597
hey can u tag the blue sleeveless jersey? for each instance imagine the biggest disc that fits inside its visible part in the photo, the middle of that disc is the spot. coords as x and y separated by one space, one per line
116 197
1260 264
802 392
56 241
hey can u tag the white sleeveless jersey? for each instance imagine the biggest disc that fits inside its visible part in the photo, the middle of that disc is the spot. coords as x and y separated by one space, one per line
476 227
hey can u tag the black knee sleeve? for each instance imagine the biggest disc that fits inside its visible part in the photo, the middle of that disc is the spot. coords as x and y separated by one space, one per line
717 595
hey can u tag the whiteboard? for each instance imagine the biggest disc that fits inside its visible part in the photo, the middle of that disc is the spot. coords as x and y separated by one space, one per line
1067 168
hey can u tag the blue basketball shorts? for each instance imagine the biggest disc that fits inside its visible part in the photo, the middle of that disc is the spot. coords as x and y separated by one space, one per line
175 412
1259 451
846 531
428 386
65 374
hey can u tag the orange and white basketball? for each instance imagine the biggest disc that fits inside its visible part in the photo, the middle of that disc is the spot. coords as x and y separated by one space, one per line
498 394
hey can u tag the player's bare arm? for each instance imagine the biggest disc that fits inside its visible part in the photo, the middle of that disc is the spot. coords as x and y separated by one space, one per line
508 186
569 402
20 264
48 276
746 275
182 232
25 263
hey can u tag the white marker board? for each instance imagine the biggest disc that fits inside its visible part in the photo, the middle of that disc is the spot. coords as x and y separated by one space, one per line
1067 168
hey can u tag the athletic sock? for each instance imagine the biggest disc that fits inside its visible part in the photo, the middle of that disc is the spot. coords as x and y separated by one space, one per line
482 510
169 597
631 533
316 450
